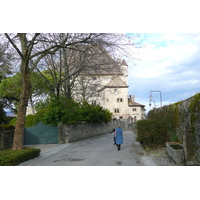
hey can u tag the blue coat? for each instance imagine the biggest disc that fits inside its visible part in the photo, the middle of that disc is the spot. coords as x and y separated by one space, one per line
119 136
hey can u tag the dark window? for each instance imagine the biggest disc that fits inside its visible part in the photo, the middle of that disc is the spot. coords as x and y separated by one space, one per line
119 100
116 110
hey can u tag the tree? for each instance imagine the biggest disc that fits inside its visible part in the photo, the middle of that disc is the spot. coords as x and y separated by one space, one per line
2 114
31 48
62 69
11 87
5 61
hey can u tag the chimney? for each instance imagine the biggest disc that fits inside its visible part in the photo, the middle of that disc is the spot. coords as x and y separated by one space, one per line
132 98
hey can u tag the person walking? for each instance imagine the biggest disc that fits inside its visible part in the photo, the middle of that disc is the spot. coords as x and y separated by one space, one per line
118 137
113 135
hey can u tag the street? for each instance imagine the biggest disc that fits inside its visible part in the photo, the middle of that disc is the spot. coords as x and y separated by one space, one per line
95 151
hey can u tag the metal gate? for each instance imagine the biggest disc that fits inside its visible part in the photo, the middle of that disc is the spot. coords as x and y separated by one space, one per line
41 134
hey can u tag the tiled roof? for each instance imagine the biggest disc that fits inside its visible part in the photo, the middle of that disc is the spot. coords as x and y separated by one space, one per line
115 82
131 104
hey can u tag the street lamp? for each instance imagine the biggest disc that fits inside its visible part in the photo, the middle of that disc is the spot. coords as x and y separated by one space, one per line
150 102
151 98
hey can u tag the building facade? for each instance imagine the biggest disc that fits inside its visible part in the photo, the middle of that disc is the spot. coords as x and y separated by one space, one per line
108 88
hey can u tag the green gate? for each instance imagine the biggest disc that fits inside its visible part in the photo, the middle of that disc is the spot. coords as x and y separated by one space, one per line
41 134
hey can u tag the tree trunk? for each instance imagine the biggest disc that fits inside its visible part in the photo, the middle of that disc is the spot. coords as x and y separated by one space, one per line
23 103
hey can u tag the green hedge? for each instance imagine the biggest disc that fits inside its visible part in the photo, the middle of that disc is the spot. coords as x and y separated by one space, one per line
151 133
160 126
10 157
66 111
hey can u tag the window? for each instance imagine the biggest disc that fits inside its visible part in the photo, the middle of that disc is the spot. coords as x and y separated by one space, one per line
134 109
94 78
94 102
119 100
107 100
116 110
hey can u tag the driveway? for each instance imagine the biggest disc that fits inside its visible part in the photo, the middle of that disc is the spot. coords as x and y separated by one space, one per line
95 151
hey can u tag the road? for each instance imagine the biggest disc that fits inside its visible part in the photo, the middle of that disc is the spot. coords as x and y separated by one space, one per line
96 151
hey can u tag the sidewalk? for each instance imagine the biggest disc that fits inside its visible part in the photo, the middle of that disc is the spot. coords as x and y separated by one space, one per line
160 157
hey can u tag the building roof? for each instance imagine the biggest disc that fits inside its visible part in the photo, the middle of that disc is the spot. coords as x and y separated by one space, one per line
115 82
133 104
124 63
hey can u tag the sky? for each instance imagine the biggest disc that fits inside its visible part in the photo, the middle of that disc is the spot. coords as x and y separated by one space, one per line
169 63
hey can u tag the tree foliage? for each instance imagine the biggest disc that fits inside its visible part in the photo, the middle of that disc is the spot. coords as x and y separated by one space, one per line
5 61
67 111
11 88
2 114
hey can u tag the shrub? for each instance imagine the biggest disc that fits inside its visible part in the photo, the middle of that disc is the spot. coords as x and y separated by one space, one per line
10 158
94 113
31 120
160 127
67 111
13 121
7 127
151 133
61 110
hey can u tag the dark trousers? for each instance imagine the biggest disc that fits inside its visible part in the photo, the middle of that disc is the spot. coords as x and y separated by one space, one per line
118 146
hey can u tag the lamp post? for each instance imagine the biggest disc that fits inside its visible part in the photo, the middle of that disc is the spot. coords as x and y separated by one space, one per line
151 98
150 102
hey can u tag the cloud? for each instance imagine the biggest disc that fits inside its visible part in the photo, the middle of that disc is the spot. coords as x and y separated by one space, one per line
169 63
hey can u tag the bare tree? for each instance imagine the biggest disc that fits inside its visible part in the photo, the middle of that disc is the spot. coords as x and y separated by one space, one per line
31 48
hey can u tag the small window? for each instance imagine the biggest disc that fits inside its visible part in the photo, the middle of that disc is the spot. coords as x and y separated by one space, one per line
116 110
107 100
94 102
119 100
134 109
94 78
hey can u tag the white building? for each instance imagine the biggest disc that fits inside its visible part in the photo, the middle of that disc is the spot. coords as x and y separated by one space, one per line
108 87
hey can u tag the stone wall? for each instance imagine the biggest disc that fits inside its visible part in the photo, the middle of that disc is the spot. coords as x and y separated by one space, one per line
188 127
74 132
6 138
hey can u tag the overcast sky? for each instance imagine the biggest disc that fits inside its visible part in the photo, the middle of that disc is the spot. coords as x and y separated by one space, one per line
169 63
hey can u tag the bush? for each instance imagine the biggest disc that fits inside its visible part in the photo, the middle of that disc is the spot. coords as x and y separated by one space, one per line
160 127
151 133
7 127
61 110
13 121
31 120
10 157
91 113
67 111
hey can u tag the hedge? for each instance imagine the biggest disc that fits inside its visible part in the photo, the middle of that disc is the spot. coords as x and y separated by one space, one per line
151 133
10 157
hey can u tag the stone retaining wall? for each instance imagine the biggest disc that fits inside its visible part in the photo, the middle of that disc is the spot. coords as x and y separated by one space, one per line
188 128
74 132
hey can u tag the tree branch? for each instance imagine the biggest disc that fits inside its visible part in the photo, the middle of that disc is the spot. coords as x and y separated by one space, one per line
13 44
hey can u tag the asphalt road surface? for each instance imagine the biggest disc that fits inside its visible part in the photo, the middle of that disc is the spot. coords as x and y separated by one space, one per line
95 151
